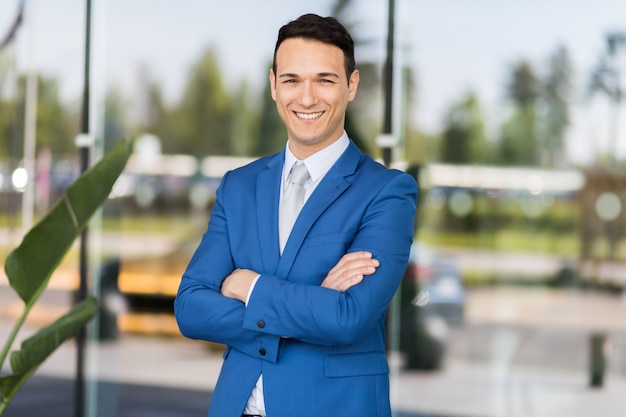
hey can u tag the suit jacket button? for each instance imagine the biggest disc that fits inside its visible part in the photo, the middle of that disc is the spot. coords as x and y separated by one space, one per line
260 324
262 352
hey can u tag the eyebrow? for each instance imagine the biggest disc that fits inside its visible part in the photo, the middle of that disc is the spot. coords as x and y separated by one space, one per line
321 74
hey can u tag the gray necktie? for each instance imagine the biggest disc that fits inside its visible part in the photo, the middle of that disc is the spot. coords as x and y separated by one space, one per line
292 201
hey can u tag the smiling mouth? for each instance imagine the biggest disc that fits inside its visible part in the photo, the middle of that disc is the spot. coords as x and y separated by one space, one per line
309 116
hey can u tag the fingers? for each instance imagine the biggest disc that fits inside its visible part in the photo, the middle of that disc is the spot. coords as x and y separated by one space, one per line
350 270
237 284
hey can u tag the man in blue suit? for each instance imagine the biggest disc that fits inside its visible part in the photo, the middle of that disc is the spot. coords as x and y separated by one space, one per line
302 309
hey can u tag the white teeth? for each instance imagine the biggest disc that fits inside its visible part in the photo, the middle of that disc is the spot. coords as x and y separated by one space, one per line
309 116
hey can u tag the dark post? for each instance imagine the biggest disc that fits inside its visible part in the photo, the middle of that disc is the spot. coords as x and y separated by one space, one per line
79 394
386 141
597 359
388 85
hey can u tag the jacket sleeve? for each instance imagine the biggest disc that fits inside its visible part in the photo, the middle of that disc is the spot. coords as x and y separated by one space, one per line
201 311
324 316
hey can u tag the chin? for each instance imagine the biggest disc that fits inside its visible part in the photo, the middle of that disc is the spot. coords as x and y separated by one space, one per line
307 139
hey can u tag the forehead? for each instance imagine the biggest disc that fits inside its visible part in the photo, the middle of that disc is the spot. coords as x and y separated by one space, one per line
307 54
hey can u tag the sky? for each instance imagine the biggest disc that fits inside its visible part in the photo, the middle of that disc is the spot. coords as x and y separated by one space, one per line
453 46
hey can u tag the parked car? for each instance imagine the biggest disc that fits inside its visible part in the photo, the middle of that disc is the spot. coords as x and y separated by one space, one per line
438 284
433 298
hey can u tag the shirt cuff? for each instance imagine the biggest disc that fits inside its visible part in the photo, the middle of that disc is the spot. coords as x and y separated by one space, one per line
252 288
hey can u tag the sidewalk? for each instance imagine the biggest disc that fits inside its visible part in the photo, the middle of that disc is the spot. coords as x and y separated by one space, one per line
56 397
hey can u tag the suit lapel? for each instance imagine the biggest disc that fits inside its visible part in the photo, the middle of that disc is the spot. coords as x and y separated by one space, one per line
267 199
336 181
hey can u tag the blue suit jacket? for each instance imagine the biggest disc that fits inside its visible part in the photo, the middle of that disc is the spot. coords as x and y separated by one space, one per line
321 351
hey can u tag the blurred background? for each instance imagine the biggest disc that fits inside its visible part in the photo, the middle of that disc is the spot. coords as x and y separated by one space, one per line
509 114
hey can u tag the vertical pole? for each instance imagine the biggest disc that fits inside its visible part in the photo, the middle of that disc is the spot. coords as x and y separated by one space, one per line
597 359
614 41
30 125
387 141
84 148
388 84
30 138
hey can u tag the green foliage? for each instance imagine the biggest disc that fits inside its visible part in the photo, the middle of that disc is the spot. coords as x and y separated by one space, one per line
502 224
523 87
56 125
203 120
556 96
534 132
30 266
464 139
207 118
421 147
36 349
8 127
115 123
272 132
518 141
157 115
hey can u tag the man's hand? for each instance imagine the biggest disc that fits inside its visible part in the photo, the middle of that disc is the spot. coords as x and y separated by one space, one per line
350 270
237 284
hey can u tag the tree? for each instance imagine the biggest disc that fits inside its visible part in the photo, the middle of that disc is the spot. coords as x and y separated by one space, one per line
463 138
115 123
56 126
606 78
272 133
518 140
202 120
556 95
523 88
156 116
243 121
8 127
8 107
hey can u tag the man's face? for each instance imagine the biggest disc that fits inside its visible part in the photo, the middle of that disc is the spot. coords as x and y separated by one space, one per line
311 93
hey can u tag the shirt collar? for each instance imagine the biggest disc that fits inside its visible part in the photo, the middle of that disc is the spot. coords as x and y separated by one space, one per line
320 162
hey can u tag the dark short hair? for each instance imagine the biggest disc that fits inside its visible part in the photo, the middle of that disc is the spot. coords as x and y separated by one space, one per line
323 29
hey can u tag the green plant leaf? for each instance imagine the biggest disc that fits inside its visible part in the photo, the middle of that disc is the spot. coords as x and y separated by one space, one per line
36 349
8 386
31 264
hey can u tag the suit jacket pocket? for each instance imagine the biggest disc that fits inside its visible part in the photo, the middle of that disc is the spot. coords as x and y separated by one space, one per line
355 364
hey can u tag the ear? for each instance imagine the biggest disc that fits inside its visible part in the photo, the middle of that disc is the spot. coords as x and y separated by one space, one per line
273 84
354 84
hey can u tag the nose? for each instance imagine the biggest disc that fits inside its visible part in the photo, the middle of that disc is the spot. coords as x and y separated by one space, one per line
307 94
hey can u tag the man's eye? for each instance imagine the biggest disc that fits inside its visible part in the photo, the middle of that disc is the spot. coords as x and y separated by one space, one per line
326 81
290 81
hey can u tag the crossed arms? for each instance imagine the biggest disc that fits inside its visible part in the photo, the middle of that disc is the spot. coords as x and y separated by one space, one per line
349 271
350 300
